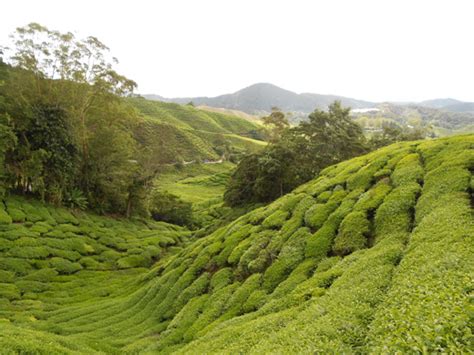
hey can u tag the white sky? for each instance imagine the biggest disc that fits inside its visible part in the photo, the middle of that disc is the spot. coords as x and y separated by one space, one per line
375 50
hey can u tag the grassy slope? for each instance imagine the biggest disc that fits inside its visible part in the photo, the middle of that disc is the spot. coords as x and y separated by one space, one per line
241 114
203 185
196 183
189 133
375 255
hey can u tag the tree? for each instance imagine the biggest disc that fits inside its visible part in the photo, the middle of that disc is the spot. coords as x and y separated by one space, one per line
79 74
170 208
392 132
276 123
262 177
240 189
325 139
74 129
276 174
50 132
302 151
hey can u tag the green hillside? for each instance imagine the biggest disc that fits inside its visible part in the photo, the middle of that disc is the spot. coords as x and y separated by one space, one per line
185 132
373 256
203 186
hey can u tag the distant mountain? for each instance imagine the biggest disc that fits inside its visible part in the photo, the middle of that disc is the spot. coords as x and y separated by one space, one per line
260 98
439 103
452 105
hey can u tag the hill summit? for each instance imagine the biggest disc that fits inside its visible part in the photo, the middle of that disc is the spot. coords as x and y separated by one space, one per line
261 97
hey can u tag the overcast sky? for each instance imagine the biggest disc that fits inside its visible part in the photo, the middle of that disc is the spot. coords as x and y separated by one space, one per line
375 50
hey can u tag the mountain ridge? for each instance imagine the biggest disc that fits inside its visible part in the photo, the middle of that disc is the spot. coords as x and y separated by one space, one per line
261 97
258 99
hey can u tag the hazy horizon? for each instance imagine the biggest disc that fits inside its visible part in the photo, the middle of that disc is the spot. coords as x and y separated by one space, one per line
398 51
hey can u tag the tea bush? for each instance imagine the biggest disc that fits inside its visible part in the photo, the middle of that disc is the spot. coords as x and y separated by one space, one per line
372 256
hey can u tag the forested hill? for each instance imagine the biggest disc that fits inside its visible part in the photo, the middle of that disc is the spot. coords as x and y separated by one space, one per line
261 97
372 256
71 133
447 114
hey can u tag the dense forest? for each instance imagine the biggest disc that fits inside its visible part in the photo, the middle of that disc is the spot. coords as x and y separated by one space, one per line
73 136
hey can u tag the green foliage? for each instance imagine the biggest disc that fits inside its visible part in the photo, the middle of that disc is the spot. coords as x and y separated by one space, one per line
275 220
353 234
300 154
262 177
169 208
318 213
268 282
76 199
392 132
133 261
5 218
277 123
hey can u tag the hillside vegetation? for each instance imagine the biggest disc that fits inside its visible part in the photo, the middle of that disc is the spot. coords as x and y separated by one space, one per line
72 133
261 97
373 256
187 133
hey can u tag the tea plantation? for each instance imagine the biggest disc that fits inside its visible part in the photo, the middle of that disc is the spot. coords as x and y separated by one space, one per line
376 255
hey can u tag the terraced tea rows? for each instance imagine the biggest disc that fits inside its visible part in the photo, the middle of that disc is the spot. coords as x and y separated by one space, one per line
375 255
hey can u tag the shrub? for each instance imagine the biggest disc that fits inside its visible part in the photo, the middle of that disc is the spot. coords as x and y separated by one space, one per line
64 266
110 256
393 215
234 306
275 220
441 180
256 300
37 213
363 178
290 256
18 266
371 200
6 276
132 261
319 244
198 287
170 208
61 215
43 275
316 215
76 199
29 252
425 309
16 214
70 255
5 244
89 263
4 217
29 286
9 291
324 196
353 234
220 279
41 227
408 170
14 210
260 263
231 241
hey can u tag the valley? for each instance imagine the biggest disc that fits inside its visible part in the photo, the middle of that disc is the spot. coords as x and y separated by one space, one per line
263 221
344 263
